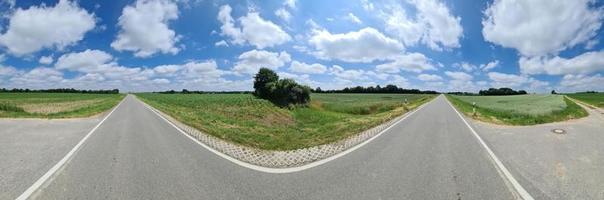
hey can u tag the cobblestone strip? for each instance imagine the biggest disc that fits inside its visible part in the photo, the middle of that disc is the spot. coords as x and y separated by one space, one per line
278 159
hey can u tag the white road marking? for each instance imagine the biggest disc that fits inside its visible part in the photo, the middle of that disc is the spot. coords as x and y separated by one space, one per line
504 171
49 174
290 169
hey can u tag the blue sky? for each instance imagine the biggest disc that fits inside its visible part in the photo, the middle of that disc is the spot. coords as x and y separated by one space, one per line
151 45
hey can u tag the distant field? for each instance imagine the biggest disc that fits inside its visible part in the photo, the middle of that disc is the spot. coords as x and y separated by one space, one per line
595 99
519 109
246 120
55 105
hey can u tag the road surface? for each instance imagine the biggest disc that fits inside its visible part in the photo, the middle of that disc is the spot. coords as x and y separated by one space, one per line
29 147
135 154
554 166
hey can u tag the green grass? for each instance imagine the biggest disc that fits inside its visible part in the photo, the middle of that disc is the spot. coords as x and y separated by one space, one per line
246 120
519 109
55 105
594 99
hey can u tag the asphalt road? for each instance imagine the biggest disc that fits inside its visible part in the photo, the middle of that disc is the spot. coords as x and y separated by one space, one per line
134 154
28 148
554 166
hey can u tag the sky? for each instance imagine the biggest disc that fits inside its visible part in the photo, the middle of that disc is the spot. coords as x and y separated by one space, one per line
442 45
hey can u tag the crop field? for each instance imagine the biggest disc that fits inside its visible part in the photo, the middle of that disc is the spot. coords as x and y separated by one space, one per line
246 120
595 99
55 105
519 109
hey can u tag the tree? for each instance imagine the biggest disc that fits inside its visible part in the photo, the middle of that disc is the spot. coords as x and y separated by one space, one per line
554 92
318 90
264 76
280 92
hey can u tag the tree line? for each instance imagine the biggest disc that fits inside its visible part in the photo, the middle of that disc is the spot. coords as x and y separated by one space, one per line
377 89
501 91
491 92
59 90
281 92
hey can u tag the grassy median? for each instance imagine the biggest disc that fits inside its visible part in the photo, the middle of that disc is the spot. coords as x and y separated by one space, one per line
246 120
519 109
55 105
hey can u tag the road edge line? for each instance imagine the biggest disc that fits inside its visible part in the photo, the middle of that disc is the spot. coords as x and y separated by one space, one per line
289 169
34 187
506 173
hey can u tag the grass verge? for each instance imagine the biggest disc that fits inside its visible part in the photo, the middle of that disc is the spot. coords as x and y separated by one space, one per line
55 105
507 117
594 99
246 120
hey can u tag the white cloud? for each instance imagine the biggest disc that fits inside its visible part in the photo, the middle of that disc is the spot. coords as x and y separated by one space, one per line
46 60
461 76
500 80
251 61
487 67
221 43
283 14
254 30
144 28
7 71
429 77
40 77
465 66
585 63
348 75
38 27
301 67
353 18
85 61
290 3
368 6
161 81
365 45
540 27
574 83
433 25
412 62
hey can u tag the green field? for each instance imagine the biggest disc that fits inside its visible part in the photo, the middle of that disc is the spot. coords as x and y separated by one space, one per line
55 105
519 109
595 99
246 120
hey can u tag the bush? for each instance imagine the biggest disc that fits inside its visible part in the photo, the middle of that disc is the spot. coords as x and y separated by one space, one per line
282 92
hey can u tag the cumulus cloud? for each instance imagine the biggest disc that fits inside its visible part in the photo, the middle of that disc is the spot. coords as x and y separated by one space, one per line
144 28
433 25
512 80
354 19
489 66
585 63
39 77
582 82
521 24
38 27
254 29
301 67
461 76
283 14
46 60
412 62
429 77
251 61
365 45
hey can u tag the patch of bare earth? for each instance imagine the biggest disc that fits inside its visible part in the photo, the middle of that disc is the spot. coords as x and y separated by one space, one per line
49 108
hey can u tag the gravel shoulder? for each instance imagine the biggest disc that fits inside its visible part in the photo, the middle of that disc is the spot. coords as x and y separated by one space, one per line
32 146
553 166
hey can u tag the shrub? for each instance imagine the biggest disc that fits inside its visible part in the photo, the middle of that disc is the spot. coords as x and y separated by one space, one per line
282 92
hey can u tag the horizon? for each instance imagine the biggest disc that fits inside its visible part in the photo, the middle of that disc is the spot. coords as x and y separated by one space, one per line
439 45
